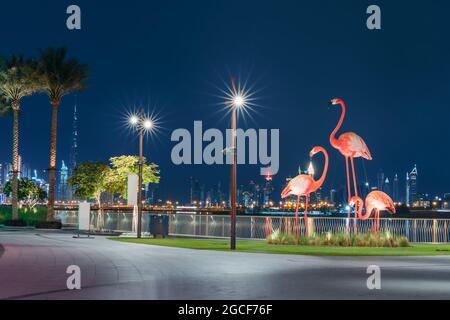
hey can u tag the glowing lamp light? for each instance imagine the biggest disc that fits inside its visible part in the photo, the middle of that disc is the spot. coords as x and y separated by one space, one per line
148 124
134 120
238 101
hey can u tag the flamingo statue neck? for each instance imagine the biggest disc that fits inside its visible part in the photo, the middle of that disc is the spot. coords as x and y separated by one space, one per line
359 203
319 183
333 141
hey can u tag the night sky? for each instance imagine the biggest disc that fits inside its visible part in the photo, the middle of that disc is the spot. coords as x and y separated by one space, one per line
172 56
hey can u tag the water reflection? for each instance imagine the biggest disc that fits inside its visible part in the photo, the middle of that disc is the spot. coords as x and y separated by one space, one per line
106 220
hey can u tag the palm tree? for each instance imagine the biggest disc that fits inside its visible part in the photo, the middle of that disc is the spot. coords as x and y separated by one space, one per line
15 83
58 76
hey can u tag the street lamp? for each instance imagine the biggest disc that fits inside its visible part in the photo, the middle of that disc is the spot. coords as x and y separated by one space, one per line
237 101
143 124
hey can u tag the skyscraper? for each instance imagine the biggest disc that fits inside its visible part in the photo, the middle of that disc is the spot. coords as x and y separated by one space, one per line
73 148
380 180
411 186
333 196
62 183
395 195
195 192
387 187
267 190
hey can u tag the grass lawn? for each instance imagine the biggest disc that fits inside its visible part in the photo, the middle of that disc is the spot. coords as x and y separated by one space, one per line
263 247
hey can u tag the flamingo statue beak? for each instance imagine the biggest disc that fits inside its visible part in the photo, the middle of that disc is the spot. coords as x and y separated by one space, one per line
392 209
285 193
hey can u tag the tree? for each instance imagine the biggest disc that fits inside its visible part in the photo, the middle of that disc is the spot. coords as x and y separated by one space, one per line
16 82
88 180
28 192
57 76
122 166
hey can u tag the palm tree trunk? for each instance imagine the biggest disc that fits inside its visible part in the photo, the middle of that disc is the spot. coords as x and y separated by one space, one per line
15 173
52 169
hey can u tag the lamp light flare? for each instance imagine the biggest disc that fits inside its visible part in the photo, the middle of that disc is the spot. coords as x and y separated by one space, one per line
238 100
148 124
133 120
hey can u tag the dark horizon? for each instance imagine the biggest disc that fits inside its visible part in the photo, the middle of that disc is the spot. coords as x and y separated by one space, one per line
171 57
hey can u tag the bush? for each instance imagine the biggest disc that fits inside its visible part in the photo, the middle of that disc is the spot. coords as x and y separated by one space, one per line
15 223
47 224
403 242
278 237
341 240
28 215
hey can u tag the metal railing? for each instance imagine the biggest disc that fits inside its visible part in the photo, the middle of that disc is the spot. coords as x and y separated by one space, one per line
259 227
255 227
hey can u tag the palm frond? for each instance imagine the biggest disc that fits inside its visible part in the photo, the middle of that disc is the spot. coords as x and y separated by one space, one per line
16 78
57 75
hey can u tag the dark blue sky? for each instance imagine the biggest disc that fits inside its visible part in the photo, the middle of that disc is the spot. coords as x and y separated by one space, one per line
170 55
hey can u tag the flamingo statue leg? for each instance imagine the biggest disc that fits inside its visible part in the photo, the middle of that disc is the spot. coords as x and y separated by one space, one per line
296 218
355 229
306 215
378 223
348 193
373 225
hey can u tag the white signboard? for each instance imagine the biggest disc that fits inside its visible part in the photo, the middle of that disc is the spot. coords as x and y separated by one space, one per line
84 213
132 189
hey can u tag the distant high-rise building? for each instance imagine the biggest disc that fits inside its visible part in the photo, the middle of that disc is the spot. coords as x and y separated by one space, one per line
387 187
7 172
195 191
411 186
333 196
73 157
311 170
267 190
395 195
25 171
380 180
62 183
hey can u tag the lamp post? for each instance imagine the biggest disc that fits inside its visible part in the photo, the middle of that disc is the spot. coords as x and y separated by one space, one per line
237 101
141 123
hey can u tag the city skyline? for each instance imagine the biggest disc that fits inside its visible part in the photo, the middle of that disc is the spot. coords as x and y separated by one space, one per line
305 71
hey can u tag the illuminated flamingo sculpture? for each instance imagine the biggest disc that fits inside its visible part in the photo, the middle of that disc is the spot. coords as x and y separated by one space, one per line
303 185
351 146
377 200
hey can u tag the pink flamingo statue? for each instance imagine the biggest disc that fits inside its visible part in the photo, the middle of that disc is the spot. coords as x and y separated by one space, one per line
351 146
377 200
303 185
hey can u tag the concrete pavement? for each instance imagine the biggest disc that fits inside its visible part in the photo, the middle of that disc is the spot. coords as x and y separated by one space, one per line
34 265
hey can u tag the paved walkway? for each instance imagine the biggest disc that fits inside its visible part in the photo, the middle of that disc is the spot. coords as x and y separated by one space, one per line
34 265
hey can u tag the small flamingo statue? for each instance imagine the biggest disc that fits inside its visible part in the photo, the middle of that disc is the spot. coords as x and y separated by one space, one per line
304 185
377 200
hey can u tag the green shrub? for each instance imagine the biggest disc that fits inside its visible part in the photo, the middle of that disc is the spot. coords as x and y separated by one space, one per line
15 223
278 237
47 224
340 240
403 242
28 215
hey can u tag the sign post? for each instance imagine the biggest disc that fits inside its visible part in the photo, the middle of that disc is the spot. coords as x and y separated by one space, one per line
84 214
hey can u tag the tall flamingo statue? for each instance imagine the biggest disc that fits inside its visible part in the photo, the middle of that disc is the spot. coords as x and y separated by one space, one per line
351 146
377 200
304 185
